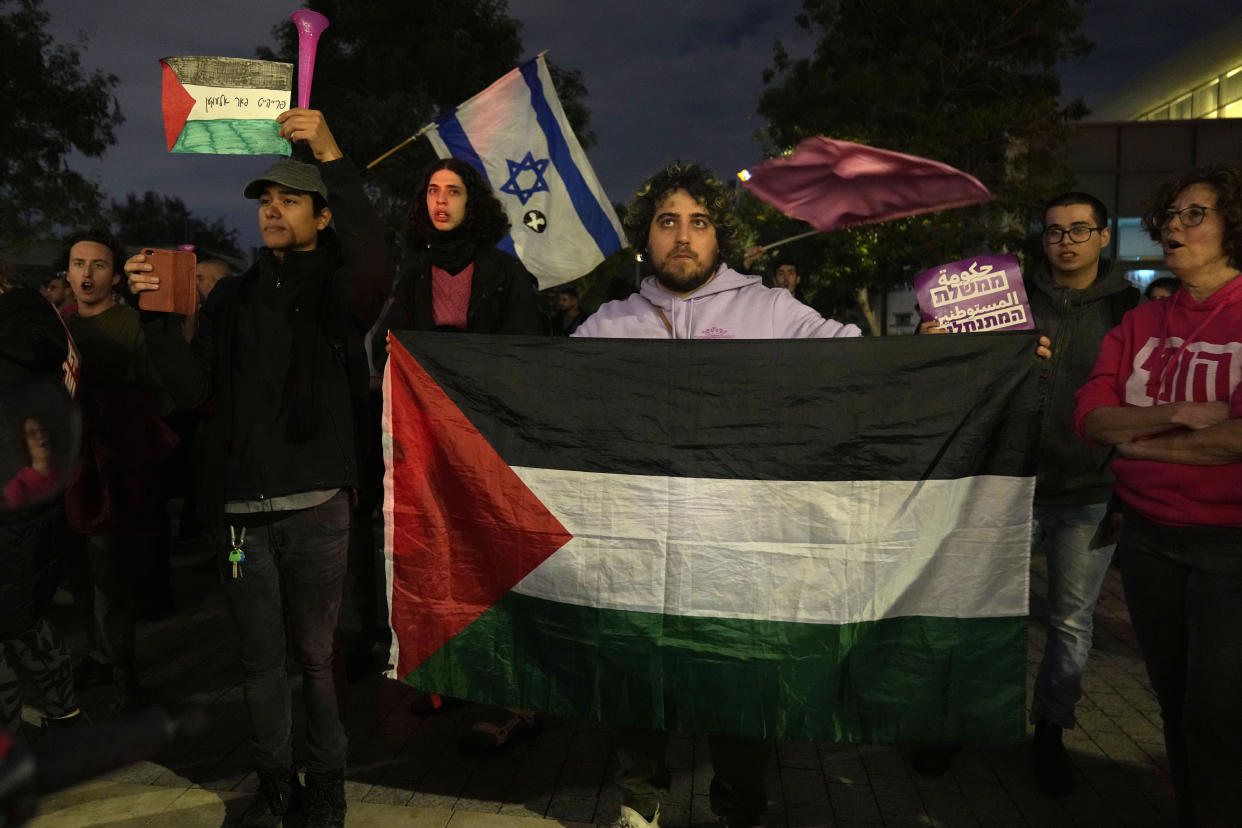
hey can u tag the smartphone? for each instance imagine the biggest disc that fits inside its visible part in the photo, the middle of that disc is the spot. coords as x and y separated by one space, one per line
177 292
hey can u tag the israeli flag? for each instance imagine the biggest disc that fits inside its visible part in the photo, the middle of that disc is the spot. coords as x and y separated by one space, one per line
516 134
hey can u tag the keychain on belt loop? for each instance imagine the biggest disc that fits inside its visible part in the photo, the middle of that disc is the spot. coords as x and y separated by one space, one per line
236 555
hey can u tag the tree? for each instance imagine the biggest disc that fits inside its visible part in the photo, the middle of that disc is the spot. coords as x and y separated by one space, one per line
156 220
384 69
51 109
967 82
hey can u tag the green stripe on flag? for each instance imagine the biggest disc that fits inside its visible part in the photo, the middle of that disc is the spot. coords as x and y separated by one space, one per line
229 136
910 679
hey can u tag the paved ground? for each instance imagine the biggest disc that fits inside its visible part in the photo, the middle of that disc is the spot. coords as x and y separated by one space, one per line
406 771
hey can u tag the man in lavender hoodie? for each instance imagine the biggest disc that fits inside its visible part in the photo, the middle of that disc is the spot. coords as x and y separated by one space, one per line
682 222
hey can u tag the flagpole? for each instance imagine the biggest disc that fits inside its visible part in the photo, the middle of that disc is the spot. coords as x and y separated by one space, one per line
413 137
421 132
768 247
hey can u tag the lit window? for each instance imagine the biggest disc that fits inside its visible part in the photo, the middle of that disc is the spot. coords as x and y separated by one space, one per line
1205 100
1231 87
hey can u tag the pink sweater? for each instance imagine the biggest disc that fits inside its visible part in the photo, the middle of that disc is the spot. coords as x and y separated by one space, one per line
1168 351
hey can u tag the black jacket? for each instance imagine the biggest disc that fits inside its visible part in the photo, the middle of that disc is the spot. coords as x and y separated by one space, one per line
1070 472
502 297
277 363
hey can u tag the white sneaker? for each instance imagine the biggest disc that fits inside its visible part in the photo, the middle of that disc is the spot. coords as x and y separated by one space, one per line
632 819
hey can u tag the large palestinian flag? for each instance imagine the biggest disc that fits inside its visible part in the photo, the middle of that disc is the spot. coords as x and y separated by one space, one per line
797 539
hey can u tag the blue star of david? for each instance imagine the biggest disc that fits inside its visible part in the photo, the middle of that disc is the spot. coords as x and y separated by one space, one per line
516 168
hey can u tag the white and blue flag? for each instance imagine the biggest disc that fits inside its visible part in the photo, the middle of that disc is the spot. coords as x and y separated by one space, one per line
516 134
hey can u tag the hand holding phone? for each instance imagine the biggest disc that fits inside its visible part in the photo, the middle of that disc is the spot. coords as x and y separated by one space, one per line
176 292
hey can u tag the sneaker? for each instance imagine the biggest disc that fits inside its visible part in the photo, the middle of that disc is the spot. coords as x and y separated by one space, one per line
325 800
632 819
1054 775
53 723
277 796
500 729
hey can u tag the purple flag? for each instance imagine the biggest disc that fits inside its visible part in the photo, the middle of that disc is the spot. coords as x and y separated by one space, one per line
833 184
984 293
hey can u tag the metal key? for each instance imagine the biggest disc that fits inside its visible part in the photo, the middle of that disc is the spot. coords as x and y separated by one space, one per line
236 555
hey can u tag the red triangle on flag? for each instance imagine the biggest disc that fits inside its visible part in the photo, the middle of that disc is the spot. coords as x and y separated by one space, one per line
466 529
177 104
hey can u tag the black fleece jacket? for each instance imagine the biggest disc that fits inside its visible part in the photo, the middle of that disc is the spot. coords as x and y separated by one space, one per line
277 364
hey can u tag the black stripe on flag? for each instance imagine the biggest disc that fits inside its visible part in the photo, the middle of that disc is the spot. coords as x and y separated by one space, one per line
890 408
243 73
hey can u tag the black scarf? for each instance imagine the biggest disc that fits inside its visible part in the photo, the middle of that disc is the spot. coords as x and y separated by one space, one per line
451 250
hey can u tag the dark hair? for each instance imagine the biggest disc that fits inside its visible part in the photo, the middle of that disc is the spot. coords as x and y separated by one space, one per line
781 262
702 185
1226 181
1098 211
568 290
97 236
20 428
485 219
1168 283
799 291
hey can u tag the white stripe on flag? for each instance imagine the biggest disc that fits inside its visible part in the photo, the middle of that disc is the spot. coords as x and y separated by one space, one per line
212 102
814 552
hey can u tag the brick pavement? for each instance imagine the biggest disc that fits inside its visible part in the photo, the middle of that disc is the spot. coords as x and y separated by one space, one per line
405 771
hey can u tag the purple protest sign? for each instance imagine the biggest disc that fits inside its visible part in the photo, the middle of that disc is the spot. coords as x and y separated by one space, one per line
985 293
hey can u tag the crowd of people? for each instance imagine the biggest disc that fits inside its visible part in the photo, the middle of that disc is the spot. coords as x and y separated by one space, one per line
271 385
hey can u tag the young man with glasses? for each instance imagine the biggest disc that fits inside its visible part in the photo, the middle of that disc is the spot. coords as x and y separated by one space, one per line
1076 302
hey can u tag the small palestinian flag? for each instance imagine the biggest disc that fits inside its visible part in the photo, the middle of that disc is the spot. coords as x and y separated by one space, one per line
225 106
824 539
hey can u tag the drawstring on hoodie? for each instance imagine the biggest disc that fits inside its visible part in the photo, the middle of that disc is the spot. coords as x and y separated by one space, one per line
669 325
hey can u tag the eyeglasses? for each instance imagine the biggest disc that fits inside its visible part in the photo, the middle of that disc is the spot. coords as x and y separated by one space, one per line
1191 216
1077 233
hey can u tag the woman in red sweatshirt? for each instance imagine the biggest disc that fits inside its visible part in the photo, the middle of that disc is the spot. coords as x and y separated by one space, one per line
1165 391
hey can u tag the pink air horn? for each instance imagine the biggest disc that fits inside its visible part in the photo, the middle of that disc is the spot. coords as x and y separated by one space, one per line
310 25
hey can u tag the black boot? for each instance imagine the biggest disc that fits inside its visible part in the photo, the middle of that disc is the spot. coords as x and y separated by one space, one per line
278 796
325 800
1054 775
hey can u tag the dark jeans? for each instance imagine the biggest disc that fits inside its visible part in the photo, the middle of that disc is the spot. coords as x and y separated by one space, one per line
104 592
738 766
293 575
1184 590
